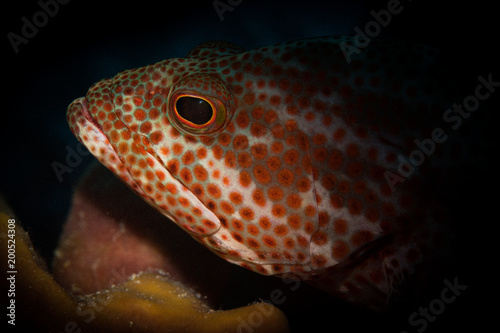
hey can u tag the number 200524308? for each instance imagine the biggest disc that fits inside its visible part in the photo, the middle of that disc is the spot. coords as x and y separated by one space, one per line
11 244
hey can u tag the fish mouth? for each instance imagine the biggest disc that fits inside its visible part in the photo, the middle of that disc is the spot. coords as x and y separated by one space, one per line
80 120
82 113
88 116
89 132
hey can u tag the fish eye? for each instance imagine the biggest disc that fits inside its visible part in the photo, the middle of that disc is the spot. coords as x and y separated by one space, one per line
194 110
199 104
195 114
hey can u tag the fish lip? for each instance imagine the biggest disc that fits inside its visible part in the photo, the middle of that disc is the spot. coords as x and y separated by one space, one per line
88 116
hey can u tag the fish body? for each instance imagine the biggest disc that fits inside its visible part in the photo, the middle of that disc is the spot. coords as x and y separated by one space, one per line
276 159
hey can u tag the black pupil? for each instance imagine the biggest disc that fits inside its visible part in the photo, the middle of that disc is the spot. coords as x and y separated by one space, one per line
194 109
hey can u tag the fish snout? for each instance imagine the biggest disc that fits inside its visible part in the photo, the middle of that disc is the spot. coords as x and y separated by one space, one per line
76 111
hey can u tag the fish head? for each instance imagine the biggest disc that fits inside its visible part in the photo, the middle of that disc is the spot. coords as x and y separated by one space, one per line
136 131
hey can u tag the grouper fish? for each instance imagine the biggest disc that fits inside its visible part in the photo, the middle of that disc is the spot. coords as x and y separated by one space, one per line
289 160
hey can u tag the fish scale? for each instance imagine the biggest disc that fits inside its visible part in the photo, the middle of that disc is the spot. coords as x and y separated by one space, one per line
286 177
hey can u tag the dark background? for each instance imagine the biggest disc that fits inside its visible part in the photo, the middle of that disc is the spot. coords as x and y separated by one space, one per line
86 41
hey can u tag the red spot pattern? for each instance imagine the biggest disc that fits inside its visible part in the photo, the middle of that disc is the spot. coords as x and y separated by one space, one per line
293 179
